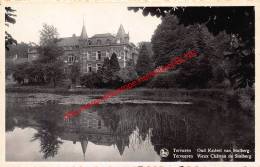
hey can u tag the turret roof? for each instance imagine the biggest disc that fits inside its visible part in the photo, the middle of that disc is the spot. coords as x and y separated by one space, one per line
84 144
121 31
83 34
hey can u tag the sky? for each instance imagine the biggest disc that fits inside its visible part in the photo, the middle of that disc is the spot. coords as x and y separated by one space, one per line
68 19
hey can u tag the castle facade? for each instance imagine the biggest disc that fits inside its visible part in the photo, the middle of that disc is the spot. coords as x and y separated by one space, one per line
90 52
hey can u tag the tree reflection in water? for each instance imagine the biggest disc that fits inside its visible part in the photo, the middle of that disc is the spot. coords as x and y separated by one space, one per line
201 125
47 134
163 126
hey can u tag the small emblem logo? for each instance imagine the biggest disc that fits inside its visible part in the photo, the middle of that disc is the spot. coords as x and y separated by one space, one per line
164 152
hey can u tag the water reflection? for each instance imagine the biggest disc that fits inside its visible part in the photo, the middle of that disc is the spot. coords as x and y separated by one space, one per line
48 133
135 128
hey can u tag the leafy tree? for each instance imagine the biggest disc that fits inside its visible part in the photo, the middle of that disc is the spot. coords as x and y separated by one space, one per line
9 68
165 80
74 72
109 72
50 54
37 73
128 73
168 40
19 73
236 21
171 39
242 59
21 50
9 18
219 75
144 64
148 46
220 67
14 55
194 74
54 72
91 80
53 65
48 34
114 64
105 72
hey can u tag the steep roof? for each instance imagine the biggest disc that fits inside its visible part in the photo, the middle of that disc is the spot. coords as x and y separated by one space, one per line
102 35
120 146
83 34
68 41
121 31
84 144
74 40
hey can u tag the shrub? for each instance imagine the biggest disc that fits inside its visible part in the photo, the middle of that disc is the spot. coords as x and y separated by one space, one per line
166 80
20 73
128 73
91 80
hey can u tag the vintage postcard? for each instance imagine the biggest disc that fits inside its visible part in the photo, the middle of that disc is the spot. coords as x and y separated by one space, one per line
128 83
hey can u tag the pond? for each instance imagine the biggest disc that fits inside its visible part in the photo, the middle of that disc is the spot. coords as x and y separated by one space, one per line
126 131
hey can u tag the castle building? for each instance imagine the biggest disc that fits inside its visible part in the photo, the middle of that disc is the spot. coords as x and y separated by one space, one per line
90 52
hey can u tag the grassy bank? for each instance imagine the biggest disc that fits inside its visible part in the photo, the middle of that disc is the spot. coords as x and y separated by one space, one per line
161 93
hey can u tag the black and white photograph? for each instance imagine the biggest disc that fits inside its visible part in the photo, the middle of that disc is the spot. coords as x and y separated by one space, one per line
109 82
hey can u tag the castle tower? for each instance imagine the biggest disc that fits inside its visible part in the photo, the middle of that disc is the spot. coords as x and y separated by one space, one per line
83 35
83 39
83 42
121 36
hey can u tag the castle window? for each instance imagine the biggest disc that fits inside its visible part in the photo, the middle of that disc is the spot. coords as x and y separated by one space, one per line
107 54
98 42
108 41
98 66
84 54
76 59
88 55
85 69
71 58
98 55
89 42
77 46
89 124
89 68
